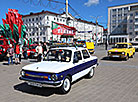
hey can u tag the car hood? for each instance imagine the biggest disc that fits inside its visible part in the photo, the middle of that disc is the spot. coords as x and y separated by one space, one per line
48 66
117 50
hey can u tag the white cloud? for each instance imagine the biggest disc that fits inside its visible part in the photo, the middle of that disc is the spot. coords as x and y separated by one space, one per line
91 2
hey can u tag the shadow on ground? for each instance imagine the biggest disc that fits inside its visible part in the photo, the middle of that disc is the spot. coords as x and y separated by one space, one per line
23 87
111 59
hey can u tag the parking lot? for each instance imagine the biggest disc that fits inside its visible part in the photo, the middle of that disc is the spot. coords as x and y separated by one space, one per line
114 81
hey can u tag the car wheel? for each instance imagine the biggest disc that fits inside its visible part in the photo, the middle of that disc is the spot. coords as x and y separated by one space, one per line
127 57
91 73
66 86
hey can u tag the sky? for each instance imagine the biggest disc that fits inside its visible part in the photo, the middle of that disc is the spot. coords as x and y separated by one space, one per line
84 9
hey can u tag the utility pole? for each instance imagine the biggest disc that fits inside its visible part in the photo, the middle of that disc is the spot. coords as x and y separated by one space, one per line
67 3
96 22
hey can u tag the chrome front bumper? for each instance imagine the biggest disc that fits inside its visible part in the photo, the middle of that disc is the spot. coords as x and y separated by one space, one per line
42 83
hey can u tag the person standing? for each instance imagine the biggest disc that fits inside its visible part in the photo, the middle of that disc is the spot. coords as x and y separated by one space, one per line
39 50
10 53
20 55
44 48
17 52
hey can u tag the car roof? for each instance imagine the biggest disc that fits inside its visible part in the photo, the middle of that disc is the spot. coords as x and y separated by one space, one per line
71 48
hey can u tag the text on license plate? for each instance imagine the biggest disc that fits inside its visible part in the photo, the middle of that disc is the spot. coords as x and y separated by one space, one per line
115 56
35 84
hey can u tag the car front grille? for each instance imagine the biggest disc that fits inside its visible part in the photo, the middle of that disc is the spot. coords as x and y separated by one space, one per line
115 53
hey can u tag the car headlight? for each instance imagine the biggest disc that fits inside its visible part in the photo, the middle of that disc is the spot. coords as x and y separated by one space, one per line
109 52
54 77
123 53
23 73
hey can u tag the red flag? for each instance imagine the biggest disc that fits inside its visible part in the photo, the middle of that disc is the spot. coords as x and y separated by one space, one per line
4 21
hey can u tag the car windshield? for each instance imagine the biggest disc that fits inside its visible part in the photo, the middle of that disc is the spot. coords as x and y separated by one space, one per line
59 55
1 42
135 44
121 46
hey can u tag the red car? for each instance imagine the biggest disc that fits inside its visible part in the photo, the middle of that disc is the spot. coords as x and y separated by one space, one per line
31 52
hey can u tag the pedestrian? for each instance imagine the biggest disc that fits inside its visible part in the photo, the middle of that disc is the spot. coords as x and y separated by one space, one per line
10 53
39 50
25 52
44 48
20 55
17 52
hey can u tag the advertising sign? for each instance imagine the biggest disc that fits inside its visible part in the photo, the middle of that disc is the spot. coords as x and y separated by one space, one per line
61 29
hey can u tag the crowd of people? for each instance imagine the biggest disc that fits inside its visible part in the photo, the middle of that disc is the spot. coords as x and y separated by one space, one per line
19 51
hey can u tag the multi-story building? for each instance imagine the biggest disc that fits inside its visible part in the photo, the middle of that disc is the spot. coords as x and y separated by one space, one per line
122 22
39 26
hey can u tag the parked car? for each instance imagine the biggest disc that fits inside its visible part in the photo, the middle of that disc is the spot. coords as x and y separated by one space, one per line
122 50
62 67
31 52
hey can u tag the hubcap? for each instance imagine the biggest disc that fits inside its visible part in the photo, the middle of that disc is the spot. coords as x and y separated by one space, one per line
66 84
91 72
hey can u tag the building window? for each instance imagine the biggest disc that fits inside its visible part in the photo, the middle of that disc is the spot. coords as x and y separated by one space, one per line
136 26
29 20
32 19
136 33
40 18
54 18
57 19
60 19
136 20
36 19
26 20
131 14
130 27
131 21
136 13
130 33
44 39
47 18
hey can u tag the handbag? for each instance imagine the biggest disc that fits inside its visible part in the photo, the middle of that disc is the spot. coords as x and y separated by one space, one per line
8 55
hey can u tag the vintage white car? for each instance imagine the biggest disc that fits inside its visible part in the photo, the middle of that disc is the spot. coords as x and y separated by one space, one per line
62 67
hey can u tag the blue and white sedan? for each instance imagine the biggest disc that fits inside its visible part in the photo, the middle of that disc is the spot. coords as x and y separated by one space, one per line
61 67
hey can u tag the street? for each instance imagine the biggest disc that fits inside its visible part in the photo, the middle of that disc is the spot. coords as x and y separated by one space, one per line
114 81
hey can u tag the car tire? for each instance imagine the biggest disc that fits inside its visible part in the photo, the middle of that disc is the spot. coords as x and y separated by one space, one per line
127 57
66 86
91 73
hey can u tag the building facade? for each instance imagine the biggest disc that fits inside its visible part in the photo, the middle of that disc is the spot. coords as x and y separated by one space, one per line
39 26
122 23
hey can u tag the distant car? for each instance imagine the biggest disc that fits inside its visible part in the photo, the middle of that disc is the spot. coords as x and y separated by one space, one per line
31 52
62 67
122 50
135 45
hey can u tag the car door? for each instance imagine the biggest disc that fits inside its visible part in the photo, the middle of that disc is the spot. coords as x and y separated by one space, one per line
86 58
78 63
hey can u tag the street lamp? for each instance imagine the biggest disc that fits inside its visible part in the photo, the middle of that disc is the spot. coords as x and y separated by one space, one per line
96 22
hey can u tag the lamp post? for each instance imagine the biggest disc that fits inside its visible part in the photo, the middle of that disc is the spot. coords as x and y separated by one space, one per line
96 22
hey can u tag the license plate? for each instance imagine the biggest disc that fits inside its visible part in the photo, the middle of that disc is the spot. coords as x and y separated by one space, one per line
35 84
115 56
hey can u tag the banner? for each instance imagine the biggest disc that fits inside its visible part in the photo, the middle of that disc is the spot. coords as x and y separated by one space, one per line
61 29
